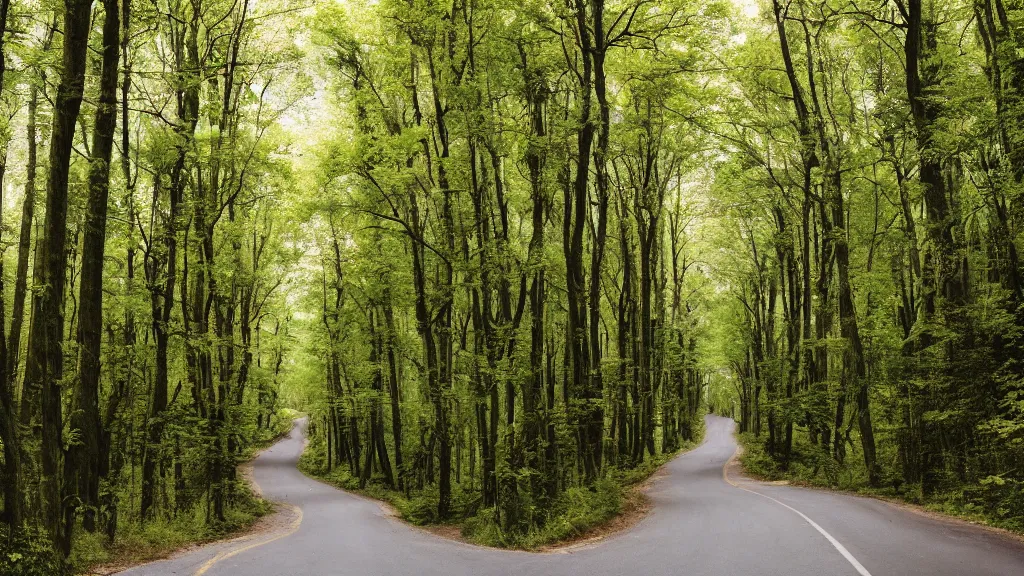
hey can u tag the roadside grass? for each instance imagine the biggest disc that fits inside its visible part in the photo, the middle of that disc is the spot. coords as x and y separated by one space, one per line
573 514
28 554
992 502
138 542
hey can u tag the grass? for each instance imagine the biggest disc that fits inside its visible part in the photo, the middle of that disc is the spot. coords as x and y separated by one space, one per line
28 554
991 502
572 514
137 542
31 555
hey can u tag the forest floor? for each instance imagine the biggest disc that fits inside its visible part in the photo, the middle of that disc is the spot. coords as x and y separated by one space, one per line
617 503
812 470
169 537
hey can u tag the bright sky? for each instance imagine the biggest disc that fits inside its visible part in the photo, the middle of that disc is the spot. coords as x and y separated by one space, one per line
748 8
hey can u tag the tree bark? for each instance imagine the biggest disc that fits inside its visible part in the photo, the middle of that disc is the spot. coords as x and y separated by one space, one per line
44 359
83 466
9 433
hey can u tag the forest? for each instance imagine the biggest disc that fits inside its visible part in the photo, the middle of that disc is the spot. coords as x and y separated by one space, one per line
503 256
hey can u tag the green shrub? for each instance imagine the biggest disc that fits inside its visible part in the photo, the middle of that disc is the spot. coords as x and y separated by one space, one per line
421 509
29 553
141 541
571 514
89 549
538 521
755 458
996 500
993 500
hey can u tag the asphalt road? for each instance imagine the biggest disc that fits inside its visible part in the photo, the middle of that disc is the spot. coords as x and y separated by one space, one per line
702 524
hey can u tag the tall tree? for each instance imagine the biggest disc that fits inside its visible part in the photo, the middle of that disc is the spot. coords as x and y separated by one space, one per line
44 370
82 470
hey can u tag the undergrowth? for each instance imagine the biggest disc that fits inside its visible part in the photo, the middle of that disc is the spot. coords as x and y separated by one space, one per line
29 552
139 542
571 514
992 501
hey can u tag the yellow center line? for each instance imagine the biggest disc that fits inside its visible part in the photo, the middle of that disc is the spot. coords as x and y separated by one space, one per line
291 529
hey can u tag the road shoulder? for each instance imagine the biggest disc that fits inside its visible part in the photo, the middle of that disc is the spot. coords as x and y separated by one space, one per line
266 527
735 472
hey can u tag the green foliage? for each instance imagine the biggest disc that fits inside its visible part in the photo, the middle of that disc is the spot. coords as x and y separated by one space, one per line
572 513
993 500
867 240
29 553
137 542
381 214
808 464
281 423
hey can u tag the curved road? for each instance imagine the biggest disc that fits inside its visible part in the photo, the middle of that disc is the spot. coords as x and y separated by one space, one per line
702 523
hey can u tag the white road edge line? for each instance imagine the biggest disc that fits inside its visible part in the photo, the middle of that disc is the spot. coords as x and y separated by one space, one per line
842 549
835 543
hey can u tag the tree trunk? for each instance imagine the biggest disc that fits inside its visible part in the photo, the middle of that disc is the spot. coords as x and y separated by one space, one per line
854 356
393 390
44 360
83 466
9 434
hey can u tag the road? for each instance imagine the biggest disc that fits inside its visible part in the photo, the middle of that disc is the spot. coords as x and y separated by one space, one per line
703 523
